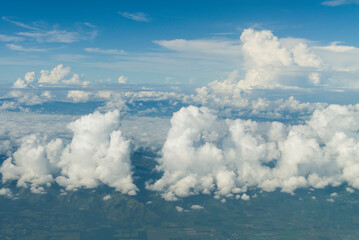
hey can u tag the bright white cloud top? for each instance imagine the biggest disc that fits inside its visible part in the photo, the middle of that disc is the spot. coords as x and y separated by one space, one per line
203 154
97 154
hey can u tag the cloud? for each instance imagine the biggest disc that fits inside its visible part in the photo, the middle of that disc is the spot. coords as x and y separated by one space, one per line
97 154
20 24
24 83
30 164
55 75
206 47
6 38
104 51
139 16
334 3
122 79
22 49
107 197
54 35
6 192
78 96
204 154
196 207
58 75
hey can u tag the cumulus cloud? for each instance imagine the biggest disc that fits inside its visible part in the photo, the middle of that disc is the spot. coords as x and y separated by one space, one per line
97 154
122 79
30 164
204 154
196 207
6 192
78 96
24 83
55 75
107 197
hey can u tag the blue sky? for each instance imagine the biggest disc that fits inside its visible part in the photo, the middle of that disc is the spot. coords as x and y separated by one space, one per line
102 40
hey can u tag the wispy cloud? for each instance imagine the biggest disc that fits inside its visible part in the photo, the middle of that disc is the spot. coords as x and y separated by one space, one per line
53 35
7 38
104 51
334 3
20 24
22 49
139 16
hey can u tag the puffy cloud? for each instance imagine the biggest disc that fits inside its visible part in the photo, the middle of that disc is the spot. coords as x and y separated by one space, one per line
55 75
267 59
78 96
24 83
179 209
204 154
107 197
30 164
196 207
97 154
122 79
314 78
6 192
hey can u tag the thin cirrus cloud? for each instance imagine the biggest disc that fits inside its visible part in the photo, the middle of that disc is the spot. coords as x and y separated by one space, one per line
52 35
22 49
7 38
139 16
104 51
334 3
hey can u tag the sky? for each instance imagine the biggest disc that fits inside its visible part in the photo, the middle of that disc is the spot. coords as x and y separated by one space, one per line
103 40
229 96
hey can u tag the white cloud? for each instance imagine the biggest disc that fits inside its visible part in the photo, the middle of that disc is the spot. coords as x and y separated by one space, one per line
30 164
107 197
139 16
263 60
122 79
104 51
78 96
196 207
55 34
179 209
203 154
245 197
334 3
7 38
206 47
6 192
97 154
314 78
24 83
22 49
55 75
